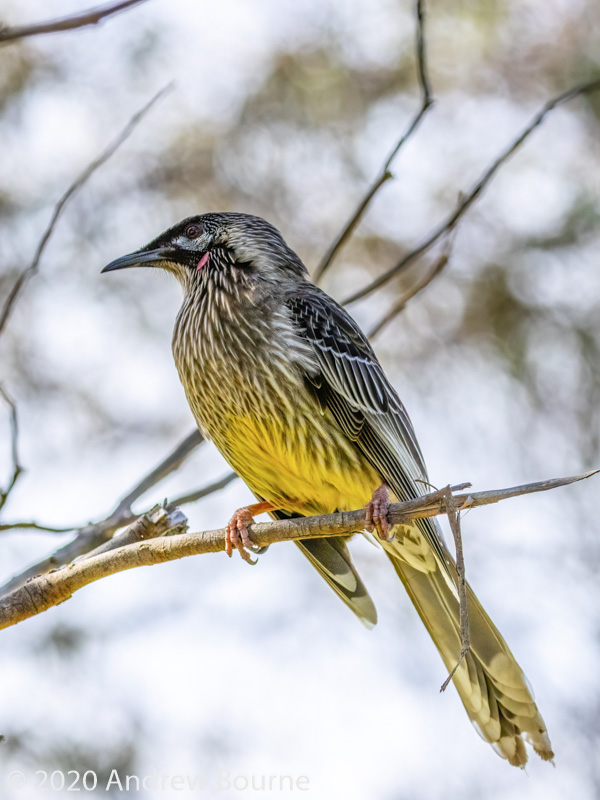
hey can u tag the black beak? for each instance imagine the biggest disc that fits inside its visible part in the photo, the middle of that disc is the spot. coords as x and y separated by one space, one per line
145 258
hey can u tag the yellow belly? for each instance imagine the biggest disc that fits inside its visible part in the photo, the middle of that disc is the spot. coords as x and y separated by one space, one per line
305 466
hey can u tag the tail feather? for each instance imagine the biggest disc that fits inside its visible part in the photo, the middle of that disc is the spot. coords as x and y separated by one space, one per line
331 558
489 681
491 684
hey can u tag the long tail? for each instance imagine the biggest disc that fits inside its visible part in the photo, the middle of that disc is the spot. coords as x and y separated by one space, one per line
331 558
491 684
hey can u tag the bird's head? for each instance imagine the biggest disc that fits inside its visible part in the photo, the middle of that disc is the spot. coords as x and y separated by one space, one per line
225 248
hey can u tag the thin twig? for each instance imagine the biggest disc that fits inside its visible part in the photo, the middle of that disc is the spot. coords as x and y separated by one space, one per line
90 17
33 526
469 198
123 510
47 590
16 468
384 173
171 463
182 500
402 301
192 497
31 270
465 633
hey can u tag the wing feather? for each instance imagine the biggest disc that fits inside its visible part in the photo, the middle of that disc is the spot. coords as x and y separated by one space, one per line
350 383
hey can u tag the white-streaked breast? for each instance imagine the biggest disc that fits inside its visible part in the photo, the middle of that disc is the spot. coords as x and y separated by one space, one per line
243 374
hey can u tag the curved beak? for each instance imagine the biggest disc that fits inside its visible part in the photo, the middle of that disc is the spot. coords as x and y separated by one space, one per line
144 258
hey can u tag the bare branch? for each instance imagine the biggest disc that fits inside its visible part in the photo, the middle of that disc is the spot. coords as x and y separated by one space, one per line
384 173
86 539
32 269
47 590
192 497
95 534
182 500
90 17
17 469
402 301
159 521
448 224
171 463
123 510
31 525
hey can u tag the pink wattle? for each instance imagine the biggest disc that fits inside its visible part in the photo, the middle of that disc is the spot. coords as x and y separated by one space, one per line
203 261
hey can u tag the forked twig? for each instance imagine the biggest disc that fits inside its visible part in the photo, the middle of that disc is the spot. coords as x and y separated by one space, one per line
384 173
31 270
90 17
402 301
465 633
168 465
471 196
96 533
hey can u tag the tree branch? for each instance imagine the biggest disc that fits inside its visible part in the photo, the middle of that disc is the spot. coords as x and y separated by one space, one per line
402 301
199 494
32 269
95 534
123 509
171 463
448 224
384 173
17 469
32 525
45 591
90 17
159 521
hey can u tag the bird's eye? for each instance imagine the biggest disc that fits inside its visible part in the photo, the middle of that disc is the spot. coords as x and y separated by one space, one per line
193 231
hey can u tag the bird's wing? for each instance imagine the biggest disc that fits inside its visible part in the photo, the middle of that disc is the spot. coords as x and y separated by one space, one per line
350 383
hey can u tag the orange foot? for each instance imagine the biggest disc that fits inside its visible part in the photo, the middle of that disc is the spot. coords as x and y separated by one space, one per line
377 511
236 533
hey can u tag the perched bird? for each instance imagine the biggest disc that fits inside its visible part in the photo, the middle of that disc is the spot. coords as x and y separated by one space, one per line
286 385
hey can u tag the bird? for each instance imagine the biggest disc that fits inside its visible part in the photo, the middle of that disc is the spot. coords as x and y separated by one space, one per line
285 383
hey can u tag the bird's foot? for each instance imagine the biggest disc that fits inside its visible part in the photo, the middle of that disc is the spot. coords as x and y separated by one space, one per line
377 512
236 532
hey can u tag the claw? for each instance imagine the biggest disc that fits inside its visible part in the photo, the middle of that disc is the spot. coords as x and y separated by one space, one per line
236 535
377 511
236 532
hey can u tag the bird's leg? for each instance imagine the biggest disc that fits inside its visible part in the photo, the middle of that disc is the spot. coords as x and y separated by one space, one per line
377 511
236 534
